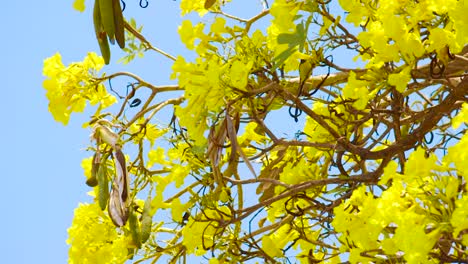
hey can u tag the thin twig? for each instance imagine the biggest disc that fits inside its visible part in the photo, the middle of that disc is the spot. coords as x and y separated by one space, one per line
148 44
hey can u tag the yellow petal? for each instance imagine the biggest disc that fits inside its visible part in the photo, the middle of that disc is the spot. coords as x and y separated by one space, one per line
79 5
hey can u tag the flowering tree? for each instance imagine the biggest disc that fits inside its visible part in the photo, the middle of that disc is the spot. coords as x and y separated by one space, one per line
377 172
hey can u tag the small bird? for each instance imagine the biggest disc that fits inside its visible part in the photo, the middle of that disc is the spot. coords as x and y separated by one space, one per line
306 68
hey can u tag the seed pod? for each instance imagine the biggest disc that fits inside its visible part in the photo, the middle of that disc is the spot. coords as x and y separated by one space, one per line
107 16
146 220
117 212
101 35
103 195
118 201
134 228
93 180
119 23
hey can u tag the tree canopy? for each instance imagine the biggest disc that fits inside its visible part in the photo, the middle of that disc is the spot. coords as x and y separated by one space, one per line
210 169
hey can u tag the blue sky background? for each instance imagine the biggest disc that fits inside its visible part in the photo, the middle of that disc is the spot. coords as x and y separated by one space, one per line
42 179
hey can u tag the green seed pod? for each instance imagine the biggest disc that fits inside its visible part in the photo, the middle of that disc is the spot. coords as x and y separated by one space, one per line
101 35
107 15
119 23
93 180
146 220
134 228
103 181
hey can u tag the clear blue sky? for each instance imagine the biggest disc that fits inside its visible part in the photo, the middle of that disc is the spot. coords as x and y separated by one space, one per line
42 181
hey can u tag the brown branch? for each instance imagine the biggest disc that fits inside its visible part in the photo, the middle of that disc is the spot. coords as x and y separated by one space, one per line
430 119
258 180
147 43
294 189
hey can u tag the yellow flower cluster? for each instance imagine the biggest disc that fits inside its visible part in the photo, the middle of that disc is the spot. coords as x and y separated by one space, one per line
188 6
201 233
394 27
409 216
274 243
210 81
148 131
68 88
294 169
403 32
93 238
203 91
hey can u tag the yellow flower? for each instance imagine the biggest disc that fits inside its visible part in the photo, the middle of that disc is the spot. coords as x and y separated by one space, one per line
239 74
188 33
156 156
188 6
200 230
79 5
358 11
218 27
418 166
53 65
459 156
439 38
357 89
459 220
178 174
86 164
178 209
461 117
93 237
400 80
274 243
68 88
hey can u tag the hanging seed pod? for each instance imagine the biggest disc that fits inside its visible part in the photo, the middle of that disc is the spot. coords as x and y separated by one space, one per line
93 180
118 200
103 180
134 227
146 220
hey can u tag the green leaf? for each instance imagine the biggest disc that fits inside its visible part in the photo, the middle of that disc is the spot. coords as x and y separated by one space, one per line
295 41
283 56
